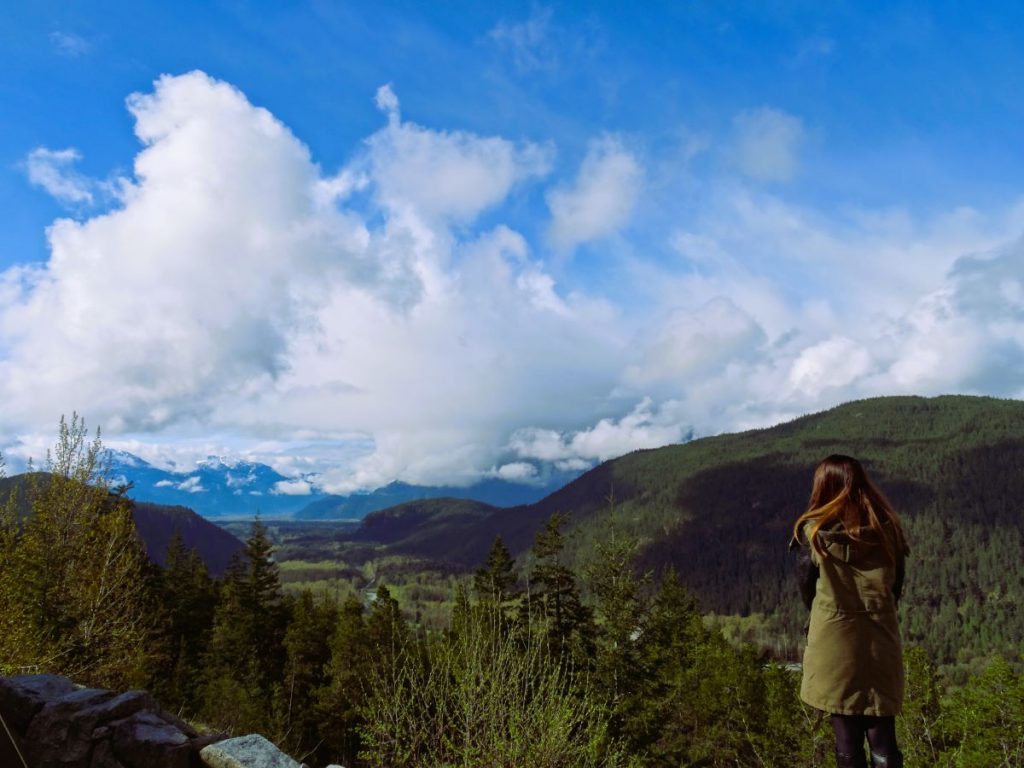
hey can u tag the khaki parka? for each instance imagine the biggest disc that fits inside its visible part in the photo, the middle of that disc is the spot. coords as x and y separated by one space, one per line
853 662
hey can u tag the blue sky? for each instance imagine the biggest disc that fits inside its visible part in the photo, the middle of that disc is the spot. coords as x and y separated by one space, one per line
442 241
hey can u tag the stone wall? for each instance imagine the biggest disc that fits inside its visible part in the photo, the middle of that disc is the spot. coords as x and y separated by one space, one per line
57 724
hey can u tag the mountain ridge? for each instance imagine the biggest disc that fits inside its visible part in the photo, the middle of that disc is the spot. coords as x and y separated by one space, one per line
156 525
218 488
720 510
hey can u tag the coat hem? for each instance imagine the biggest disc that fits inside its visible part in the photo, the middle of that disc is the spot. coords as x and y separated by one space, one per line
868 712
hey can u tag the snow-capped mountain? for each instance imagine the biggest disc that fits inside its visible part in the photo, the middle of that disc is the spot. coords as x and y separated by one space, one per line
215 487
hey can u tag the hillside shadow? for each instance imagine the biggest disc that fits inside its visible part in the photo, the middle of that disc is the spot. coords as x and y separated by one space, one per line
583 497
989 483
864 446
733 551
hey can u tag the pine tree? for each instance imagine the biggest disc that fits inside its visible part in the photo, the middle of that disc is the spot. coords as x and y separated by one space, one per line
620 616
668 649
341 699
188 599
265 616
495 580
554 597
386 628
231 699
244 664
307 643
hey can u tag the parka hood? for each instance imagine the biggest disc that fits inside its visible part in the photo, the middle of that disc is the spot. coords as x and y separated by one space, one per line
852 547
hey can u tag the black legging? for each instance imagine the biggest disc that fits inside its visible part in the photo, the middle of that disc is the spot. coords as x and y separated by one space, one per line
851 729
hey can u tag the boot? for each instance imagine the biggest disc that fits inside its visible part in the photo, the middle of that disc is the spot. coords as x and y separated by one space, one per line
856 760
887 761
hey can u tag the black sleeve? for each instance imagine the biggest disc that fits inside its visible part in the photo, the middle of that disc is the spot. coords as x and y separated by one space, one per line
897 585
807 575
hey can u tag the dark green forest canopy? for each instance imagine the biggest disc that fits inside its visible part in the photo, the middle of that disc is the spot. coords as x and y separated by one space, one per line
720 510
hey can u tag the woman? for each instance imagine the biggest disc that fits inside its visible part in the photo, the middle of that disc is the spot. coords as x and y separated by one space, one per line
852 552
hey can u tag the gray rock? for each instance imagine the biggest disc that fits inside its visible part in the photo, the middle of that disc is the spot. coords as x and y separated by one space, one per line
252 751
50 739
103 757
22 696
177 722
116 708
90 723
146 741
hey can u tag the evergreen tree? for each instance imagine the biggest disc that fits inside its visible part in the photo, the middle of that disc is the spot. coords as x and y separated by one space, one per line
554 597
307 643
620 616
244 663
668 650
230 697
386 629
495 580
341 700
265 616
494 584
188 599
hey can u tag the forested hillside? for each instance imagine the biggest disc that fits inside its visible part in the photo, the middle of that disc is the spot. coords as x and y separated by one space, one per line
157 525
720 510
493 491
539 661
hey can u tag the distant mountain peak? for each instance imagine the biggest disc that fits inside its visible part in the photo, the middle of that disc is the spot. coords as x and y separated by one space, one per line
123 458
215 486
217 462
218 486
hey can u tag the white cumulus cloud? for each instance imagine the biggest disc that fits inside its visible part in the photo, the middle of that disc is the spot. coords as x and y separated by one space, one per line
450 174
694 343
238 289
383 320
602 197
646 426
966 336
835 362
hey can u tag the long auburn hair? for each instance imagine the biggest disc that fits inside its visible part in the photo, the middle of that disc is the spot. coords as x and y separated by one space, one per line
843 493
